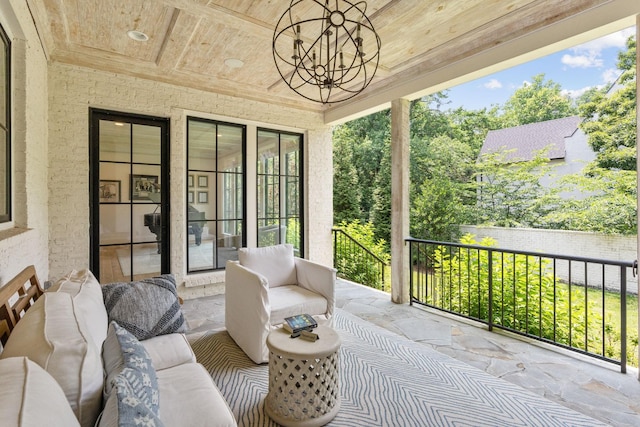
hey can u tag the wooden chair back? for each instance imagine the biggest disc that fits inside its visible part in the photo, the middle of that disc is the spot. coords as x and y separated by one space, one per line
16 297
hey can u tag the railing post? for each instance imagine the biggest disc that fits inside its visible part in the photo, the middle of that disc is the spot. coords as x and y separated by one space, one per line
410 272
490 286
335 247
623 320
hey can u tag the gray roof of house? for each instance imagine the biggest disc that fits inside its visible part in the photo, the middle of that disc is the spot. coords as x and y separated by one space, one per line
527 140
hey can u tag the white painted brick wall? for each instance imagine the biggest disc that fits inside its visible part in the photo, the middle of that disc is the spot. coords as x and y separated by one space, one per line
72 90
27 243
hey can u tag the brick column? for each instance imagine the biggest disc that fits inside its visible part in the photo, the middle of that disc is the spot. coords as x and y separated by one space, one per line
399 200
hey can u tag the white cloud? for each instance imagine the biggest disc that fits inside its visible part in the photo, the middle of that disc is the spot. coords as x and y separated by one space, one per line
610 75
575 93
588 55
617 39
581 61
493 84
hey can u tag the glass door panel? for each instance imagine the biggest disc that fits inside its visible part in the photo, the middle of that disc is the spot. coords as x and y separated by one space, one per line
129 239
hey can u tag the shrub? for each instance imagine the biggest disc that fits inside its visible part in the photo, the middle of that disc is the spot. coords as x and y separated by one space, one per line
525 295
353 262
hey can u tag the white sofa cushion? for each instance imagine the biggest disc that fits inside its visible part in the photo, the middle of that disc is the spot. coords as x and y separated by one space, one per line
165 351
86 292
54 335
290 300
188 397
30 397
275 263
169 350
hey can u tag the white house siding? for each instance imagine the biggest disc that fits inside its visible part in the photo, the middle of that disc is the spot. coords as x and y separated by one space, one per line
73 89
25 241
577 154
570 243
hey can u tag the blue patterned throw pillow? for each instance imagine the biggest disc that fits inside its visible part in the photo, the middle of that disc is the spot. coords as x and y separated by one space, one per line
132 411
146 308
137 384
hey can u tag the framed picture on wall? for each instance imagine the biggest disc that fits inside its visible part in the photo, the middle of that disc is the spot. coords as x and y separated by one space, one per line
190 196
143 185
109 191
203 181
203 197
190 181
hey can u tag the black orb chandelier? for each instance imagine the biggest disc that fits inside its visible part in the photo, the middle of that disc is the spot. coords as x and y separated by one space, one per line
326 50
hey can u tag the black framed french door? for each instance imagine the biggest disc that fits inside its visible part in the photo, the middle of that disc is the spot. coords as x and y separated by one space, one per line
129 195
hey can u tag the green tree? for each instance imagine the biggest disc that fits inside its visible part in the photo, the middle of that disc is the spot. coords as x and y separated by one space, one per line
471 127
381 209
371 136
537 101
610 206
346 188
610 118
441 200
427 118
512 194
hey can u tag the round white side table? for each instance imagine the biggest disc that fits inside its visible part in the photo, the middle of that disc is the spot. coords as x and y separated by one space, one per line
304 388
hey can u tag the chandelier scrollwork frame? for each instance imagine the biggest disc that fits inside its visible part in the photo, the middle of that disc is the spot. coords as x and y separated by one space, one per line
325 58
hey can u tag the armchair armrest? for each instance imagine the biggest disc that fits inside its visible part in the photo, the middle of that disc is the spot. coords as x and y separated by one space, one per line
319 279
247 310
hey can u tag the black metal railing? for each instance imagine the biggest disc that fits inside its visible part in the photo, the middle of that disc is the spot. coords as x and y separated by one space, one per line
357 263
573 302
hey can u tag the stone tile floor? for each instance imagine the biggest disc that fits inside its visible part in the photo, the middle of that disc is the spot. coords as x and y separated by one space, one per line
584 384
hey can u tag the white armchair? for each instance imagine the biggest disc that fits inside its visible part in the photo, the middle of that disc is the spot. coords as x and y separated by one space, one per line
268 284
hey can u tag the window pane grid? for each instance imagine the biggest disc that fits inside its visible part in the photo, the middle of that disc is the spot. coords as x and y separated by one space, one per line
278 189
215 193
5 127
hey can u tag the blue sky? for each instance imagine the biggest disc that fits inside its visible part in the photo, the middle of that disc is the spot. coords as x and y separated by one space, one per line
575 69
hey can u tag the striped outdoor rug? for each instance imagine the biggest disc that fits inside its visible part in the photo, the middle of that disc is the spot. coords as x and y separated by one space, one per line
387 380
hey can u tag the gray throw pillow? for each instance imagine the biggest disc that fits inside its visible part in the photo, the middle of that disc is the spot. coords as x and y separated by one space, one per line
146 308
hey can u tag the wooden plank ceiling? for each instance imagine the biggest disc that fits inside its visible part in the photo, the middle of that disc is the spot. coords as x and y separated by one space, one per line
189 40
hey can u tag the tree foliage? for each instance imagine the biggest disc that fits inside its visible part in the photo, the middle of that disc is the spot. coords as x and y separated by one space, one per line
610 206
513 194
446 189
346 188
610 118
355 265
538 101
441 195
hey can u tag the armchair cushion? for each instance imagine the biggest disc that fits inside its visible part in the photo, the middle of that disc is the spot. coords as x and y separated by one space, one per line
293 299
275 263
